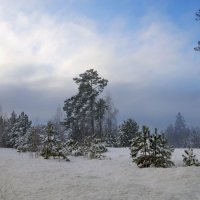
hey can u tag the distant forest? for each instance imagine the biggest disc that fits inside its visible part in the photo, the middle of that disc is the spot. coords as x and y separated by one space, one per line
87 114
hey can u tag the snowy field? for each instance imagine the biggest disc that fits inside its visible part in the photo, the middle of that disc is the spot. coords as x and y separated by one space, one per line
24 177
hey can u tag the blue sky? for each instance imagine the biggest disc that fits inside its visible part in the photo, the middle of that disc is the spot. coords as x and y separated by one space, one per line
144 48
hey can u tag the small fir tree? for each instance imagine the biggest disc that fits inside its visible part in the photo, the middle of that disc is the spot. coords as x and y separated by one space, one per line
160 151
70 147
128 130
151 150
93 147
4 137
33 140
140 149
52 146
96 149
189 159
110 140
18 133
48 141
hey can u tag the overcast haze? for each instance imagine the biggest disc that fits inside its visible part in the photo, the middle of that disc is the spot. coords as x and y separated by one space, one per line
143 47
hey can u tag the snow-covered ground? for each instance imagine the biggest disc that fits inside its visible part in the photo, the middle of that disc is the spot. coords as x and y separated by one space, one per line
24 177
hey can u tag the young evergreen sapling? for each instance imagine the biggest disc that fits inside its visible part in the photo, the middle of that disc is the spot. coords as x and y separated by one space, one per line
151 150
140 149
189 158
160 151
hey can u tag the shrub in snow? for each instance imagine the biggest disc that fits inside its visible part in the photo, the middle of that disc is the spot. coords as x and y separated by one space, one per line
93 147
140 149
60 151
128 130
151 151
30 141
160 151
96 149
34 140
110 140
71 148
51 145
189 158
18 134
23 144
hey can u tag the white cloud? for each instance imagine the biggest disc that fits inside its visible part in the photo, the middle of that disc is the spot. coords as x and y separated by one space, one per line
69 47
45 53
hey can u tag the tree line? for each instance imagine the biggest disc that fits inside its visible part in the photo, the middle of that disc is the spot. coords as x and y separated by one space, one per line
89 114
90 126
180 135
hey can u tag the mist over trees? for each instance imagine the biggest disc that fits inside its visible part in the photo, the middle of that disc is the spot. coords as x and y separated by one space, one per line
86 116
177 133
180 135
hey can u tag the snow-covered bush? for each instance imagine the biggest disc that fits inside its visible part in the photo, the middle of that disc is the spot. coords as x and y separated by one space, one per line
60 151
96 149
189 158
34 140
140 149
18 133
151 150
93 147
52 146
161 152
128 130
30 141
71 148
110 140
23 143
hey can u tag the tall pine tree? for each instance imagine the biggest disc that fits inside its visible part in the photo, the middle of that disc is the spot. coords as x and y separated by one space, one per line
80 109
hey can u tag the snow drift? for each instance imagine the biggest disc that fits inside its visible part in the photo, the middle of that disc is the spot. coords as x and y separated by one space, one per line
26 177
